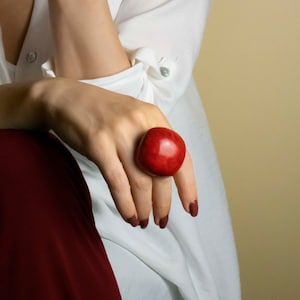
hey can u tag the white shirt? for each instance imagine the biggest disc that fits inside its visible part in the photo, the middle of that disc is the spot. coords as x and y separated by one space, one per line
193 258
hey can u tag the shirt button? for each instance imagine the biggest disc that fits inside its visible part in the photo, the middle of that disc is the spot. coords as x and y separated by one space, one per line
31 57
165 72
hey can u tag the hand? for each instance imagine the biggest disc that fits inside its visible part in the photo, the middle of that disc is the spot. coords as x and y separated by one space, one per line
105 127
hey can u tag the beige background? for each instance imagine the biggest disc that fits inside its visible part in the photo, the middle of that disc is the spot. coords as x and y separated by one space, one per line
248 74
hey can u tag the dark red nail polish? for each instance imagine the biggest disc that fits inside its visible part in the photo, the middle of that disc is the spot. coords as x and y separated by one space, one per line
133 221
194 208
163 222
144 223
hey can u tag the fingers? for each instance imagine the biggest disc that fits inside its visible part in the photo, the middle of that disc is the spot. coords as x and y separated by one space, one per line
104 154
161 195
186 185
105 127
149 193
135 193
141 188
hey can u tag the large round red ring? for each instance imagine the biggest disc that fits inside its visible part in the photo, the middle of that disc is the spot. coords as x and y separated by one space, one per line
160 152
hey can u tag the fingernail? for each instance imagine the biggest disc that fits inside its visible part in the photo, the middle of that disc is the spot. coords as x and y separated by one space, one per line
194 208
144 223
133 221
163 222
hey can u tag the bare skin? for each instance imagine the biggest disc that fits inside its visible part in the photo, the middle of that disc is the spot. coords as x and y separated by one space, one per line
102 125
84 32
14 18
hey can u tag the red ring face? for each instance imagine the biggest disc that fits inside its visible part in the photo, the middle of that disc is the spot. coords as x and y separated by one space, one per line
160 152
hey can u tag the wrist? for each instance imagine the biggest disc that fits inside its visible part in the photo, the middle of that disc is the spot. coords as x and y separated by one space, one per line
41 101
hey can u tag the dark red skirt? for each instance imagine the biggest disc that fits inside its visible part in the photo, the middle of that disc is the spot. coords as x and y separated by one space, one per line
49 246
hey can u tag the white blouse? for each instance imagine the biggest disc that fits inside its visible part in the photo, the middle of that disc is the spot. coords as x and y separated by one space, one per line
193 258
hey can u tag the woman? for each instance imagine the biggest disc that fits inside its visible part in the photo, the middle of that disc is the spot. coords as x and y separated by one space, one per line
99 54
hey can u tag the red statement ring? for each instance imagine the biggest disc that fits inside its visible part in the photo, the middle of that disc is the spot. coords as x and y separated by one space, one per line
160 152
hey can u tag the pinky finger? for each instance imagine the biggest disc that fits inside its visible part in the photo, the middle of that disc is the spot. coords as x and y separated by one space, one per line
186 186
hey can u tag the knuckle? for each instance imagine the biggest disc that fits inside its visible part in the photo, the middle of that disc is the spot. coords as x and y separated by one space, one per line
138 117
121 127
158 117
96 142
154 109
146 115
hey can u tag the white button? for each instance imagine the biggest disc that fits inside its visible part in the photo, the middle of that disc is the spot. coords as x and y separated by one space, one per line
164 71
31 57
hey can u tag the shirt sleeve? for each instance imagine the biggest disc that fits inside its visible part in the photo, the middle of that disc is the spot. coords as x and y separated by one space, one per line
162 39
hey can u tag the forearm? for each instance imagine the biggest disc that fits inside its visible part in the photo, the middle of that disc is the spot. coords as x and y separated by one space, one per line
85 38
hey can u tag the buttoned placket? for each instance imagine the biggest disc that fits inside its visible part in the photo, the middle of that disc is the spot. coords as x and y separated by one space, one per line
36 47
31 56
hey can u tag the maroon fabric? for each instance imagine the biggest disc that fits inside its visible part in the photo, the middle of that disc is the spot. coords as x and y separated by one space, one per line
49 246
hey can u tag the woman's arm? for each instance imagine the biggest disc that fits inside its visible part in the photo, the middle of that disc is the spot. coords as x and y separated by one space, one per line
101 125
86 40
87 46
